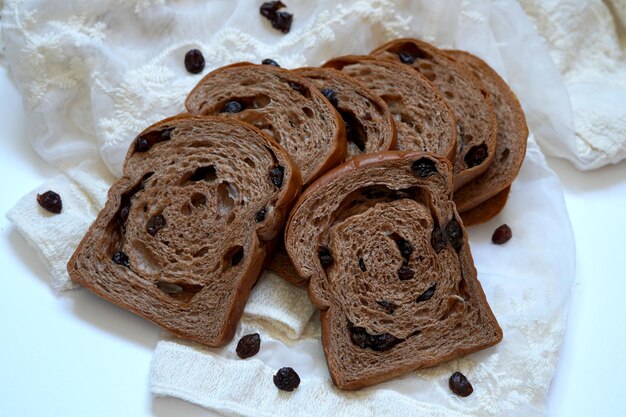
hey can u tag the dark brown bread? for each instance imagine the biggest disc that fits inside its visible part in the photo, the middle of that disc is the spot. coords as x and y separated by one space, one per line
181 240
368 121
486 210
390 268
369 128
423 119
282 104
512 137
475 116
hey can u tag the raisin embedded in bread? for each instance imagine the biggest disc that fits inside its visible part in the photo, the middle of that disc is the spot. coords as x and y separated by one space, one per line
423 119
180 241
282 104
390 268
512 137
475 116
368 121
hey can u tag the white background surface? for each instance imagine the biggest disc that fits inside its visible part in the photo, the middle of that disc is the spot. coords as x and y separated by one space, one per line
76 355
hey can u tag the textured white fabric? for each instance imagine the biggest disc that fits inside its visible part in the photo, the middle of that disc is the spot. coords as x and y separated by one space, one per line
584 39
527 284
94 73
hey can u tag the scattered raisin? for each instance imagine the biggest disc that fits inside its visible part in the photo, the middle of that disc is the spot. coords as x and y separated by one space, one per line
268 61
377 342
155 223
269 9
502 235
326 258
169 288
248 345
279 20
260 215
427 295
437 240
406 57
276 175
194 61
476 155
459 385
454 234
237 257
330 96
405 273
424 167
389 307
232 106
282 21
50 201
120 258
362 265
286 379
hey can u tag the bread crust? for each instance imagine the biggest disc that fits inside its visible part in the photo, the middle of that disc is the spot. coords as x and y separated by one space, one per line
511 147
486 210
189 311
466 96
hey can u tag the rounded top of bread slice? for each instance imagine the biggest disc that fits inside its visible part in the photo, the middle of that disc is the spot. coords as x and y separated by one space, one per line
475 116
424 121
280 103
184 233
369 123
390 267
512 137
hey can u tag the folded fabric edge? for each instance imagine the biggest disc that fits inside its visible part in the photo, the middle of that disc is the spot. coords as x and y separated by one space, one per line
175 366
54 237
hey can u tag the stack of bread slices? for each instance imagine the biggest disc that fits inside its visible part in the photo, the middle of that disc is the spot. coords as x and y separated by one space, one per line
356 178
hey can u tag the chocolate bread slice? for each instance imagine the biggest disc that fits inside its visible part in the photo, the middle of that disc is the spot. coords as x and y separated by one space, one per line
184 233
390 268
475 116
369 123
423 119
512 137
282 104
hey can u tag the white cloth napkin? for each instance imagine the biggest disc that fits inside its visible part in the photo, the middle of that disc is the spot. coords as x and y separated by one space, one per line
586 40
95 73
526 281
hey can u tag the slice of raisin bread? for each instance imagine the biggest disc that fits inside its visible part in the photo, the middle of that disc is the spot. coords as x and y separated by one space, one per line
369 123
390 268
512 137
423 119
475 116
282 104
184 233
